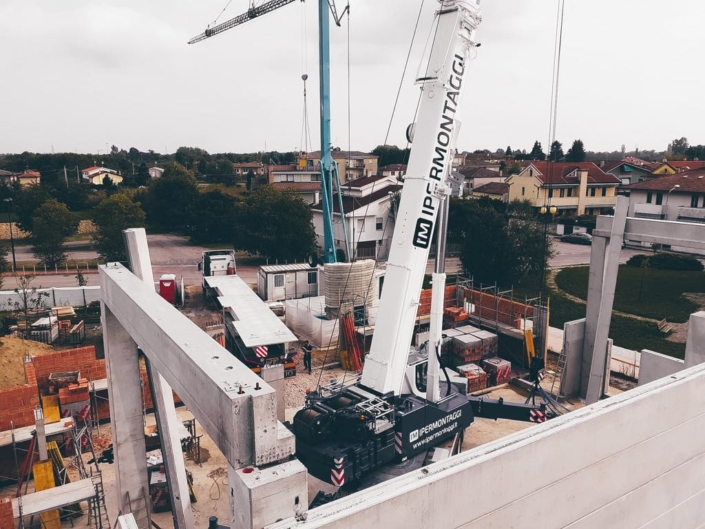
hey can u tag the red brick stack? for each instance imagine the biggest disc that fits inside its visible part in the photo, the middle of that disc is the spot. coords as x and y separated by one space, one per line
477 378
17 406
7 519
498 370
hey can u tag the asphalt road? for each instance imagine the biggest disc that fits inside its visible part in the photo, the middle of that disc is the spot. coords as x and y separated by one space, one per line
173 254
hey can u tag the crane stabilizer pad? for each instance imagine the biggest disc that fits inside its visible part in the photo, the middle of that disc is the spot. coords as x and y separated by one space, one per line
421 425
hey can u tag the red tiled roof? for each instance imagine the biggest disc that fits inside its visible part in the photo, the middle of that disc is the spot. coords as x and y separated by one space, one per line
478 172
365 180
298 186
640 163
686 165
350 204
688 182
90 169
493 188
560 173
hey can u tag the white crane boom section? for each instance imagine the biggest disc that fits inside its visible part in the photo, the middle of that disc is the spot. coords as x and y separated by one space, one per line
431 157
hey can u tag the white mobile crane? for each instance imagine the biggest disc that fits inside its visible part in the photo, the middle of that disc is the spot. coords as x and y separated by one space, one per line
399 408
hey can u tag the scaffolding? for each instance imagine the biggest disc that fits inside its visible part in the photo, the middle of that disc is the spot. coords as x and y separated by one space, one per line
69 494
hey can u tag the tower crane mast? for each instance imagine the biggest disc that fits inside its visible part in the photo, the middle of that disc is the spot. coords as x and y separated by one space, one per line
329 170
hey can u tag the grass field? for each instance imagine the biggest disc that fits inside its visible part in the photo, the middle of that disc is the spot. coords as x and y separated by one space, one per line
645 292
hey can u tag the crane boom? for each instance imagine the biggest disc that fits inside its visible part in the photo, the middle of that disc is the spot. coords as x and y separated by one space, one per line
251 13
426 184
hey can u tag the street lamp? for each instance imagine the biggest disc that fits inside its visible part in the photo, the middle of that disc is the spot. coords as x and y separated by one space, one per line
669 191
12 238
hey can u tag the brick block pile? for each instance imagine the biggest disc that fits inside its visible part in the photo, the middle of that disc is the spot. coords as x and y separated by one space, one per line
499 371
7 520
477 378
81 359
17 406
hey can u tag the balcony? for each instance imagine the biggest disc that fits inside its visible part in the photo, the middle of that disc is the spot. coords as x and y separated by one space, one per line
572 202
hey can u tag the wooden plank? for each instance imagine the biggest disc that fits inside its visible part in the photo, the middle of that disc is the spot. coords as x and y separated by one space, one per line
44 481
38 502
25 433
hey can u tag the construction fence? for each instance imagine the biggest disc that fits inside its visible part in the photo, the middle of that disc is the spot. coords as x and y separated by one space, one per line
52 297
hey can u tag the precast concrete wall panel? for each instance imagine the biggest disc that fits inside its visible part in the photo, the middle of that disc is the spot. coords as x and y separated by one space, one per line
632 461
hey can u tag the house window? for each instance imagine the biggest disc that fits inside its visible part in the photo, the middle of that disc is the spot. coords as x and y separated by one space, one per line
378 223
562 193
312 278
523 191
604 191
550 193
531 172
649 196
570 192
694 201
592 191
290 178
315 178
278 280
659 199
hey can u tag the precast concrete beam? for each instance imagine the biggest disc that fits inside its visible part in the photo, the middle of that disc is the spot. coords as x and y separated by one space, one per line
235 407
695 346
674 233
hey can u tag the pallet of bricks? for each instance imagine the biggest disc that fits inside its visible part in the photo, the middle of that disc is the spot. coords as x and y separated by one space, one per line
477 378
499 371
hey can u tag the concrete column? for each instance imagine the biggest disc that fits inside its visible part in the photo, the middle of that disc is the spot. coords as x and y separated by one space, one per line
695 346
167 421
274 376
594 296
596 346
125 398
41 434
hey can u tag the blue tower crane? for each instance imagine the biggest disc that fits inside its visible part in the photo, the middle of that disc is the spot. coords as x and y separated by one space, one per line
329 170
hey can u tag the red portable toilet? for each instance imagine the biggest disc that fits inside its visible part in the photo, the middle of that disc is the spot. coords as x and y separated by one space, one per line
167 287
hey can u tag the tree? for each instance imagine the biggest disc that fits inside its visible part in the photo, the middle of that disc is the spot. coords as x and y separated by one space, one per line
80 278
172 197
29 299
113 215
250 176
537 152
390 154
576 153
142 178
508 151
511 238
679 146
27 200
275 224
214 218
53 224
556 154
695 152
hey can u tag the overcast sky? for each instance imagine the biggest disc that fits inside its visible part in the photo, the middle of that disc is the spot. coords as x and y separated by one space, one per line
77 74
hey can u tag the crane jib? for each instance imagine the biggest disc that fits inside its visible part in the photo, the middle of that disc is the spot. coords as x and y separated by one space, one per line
424 224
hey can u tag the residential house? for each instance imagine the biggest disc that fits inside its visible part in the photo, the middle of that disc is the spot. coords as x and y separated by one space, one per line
95 175
241 169
679 197
628 173
459 160
367 203
351 165
395 170
573 188
494 190
477 176
677 166
306 184
155 172
25 178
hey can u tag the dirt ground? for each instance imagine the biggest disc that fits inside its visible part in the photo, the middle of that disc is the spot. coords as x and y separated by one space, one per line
12 352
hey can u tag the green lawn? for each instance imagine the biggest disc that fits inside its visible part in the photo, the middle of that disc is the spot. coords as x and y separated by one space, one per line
659 296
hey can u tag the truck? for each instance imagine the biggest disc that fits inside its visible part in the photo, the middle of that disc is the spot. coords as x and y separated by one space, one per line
405 401
216 263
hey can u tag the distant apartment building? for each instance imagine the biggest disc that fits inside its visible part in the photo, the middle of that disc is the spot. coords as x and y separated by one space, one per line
572 188
679 196
95 175
628 173
395 170
351 165
306 184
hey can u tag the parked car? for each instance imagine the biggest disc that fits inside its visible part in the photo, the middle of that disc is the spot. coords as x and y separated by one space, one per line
577 238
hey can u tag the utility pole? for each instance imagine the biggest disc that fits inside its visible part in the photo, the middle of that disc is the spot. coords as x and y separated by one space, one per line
66 178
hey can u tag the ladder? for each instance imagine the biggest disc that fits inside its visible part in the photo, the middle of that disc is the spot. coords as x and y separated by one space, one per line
136 506
560 369
97 511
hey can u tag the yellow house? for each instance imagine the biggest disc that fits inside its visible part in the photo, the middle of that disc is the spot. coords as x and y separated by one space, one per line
678 166
572 188
95 175
351 165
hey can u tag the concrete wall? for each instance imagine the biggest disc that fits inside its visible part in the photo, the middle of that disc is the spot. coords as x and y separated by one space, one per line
655 365
632 461
57 296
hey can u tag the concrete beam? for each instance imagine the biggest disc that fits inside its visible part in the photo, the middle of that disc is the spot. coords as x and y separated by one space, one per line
695 346
162 398
684 234
235 407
